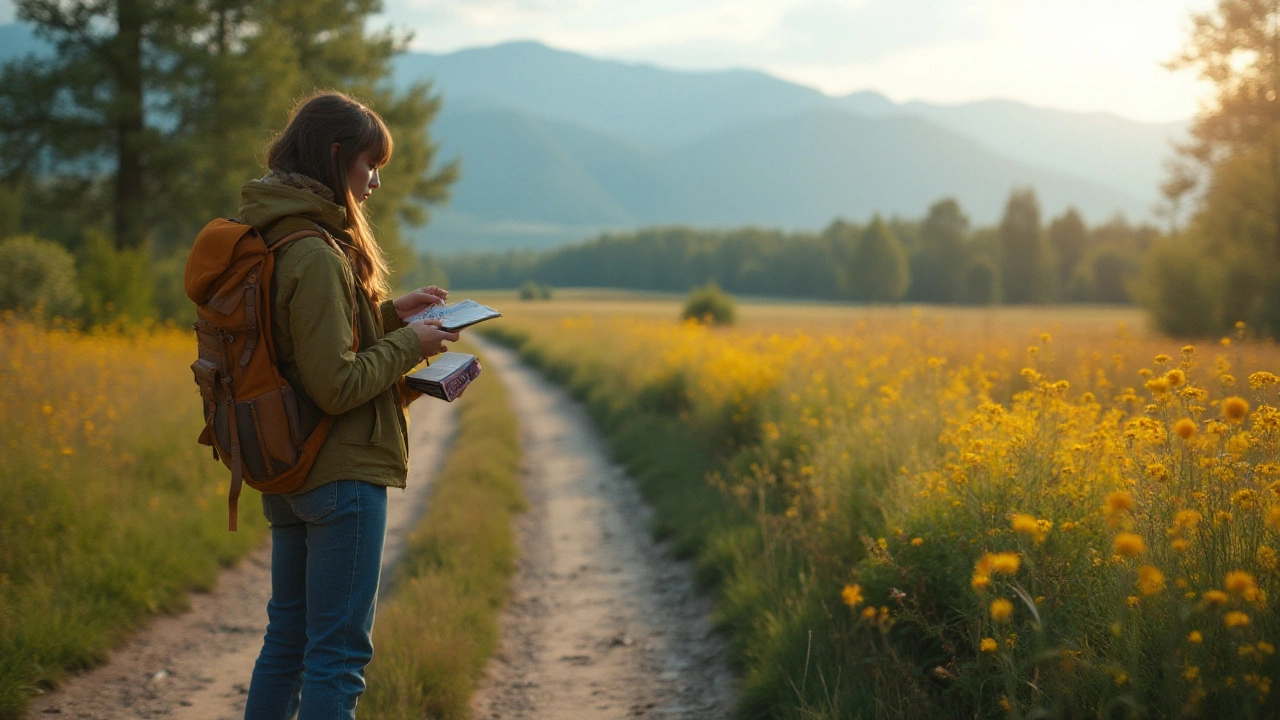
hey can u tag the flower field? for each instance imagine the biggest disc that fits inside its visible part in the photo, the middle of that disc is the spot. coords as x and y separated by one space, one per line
109 511
954 514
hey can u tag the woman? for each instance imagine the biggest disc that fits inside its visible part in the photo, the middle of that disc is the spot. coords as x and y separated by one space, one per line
327 536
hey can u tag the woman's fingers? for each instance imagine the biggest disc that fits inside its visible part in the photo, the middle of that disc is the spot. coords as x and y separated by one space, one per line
424 298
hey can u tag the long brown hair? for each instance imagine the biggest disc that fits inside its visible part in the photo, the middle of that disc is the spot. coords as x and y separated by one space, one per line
305 146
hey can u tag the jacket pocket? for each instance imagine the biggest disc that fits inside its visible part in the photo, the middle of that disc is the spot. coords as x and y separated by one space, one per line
361 426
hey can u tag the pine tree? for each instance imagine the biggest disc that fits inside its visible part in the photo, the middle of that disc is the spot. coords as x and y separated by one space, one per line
936 268
172 102
1022 249
878 271
1069 239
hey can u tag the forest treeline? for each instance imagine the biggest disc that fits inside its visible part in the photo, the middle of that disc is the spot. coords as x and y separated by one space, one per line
937 259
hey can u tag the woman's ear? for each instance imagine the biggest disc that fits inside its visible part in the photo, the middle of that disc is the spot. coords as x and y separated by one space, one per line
334 148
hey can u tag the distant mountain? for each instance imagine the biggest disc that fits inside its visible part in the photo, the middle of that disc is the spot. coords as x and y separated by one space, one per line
558 146
1100 146
671 146
663 107
825 163
636 102
529 182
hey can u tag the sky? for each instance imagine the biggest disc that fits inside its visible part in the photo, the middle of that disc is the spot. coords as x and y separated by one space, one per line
1088 55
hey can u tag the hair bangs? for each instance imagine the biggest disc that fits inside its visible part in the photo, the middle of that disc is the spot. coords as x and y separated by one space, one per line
375 137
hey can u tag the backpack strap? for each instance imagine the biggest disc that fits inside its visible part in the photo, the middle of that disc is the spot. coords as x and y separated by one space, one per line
237 472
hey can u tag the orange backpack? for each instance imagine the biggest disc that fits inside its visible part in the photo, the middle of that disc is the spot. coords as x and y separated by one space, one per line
257 424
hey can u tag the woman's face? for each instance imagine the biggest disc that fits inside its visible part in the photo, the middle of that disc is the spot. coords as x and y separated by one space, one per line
362 176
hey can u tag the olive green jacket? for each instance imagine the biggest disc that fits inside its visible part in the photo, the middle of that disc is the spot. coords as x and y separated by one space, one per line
312 291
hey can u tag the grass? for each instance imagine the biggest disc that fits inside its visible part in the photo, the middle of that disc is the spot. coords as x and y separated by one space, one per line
109 510
440 624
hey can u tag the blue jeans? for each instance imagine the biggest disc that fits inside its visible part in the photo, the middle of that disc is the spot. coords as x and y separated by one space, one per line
326 558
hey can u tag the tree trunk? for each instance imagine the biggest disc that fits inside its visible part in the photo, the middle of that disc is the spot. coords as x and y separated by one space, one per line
130 196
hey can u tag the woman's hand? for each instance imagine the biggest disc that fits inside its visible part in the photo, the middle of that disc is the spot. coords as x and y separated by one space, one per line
412 303
431 336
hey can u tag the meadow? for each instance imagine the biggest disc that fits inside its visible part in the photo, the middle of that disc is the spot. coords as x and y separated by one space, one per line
1011 512
110 511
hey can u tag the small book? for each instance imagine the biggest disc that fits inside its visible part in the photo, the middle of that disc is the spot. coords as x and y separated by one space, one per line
458 315
446 377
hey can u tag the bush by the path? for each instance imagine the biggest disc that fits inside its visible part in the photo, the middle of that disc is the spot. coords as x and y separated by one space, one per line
109 510
440 623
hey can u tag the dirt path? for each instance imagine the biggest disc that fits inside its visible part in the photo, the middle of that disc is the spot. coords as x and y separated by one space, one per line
196 666
602 622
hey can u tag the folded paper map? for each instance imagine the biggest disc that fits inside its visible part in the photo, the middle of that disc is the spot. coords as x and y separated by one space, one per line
458 315
446 377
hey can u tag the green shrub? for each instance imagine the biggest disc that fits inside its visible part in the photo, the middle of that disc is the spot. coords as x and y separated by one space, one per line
981 285
169 294
1177 288
530 290
117 284
709 304
37 277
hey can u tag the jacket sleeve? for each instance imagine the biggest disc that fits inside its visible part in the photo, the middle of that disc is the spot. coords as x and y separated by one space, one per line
390 318
337 379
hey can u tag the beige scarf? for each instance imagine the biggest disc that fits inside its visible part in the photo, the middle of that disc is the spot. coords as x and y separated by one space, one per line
298 181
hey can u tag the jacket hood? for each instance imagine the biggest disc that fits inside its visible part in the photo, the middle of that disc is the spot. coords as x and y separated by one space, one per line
262 204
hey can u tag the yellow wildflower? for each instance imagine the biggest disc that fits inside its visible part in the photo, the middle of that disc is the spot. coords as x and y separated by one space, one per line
1150 580
1005 563
1262 379
1187 519
868 613
1185 428
1235 408
1176 377
1267 558
1129 544
1118 502
988 645
1235 619
1028 525
852 595
1215 597
917 542
1001 610
1195 637
1239 582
